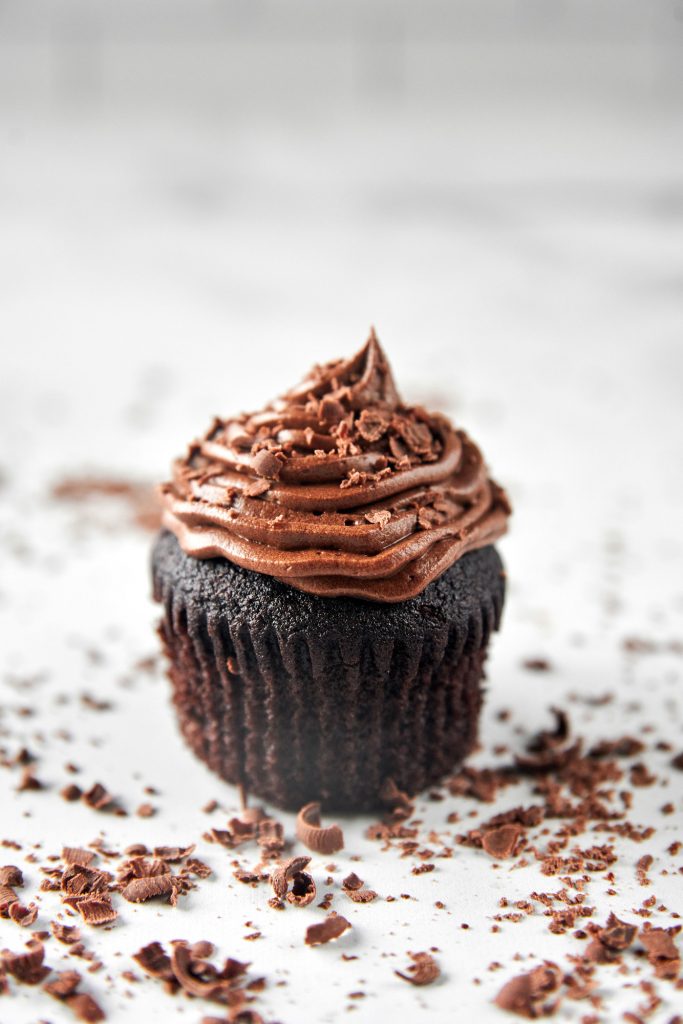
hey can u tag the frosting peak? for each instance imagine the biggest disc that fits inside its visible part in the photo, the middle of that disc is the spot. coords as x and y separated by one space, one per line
337 488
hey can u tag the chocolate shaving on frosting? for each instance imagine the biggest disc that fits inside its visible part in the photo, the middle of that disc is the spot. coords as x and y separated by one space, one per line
312 834
356 493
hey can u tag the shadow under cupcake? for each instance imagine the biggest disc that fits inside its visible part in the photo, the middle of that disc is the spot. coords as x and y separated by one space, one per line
329 588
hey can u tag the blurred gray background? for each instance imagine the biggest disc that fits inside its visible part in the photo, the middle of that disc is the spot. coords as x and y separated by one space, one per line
199 198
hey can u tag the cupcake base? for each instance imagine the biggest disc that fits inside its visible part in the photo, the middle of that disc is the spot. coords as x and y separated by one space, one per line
301 698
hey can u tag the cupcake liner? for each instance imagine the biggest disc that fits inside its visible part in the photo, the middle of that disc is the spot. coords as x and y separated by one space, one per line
302 698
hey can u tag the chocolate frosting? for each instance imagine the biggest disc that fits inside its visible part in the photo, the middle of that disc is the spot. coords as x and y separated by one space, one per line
337 488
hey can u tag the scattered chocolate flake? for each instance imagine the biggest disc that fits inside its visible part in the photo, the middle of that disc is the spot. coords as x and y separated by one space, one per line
29 782
155 962
303 889
677 762
72 792
62 984
139 890
625 746
77 879
610 941
146 811
194 866
525 994
96 909
331 928
310 832
501 842
423 970
78 856
28 967
248 877
21 915
173 854
271 836
98 798
65 933
361 895
352 882
640 776
11 875
537 665
662 951
285 873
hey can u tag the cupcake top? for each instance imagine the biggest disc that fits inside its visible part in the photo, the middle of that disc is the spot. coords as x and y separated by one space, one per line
337 488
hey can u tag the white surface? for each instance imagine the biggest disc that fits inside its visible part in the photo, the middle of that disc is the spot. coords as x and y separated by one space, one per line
519 248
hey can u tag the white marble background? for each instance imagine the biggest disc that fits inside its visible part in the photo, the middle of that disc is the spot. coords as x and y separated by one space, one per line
197 200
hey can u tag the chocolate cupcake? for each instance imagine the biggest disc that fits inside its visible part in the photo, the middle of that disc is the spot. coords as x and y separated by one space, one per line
329 588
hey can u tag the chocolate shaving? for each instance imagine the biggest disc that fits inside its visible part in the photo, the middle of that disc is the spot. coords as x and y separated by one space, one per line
352 882
78 879
95 910
173 853
310 832
525 994
7 898
139 890
423 970
501 842
77 855
63 984
155 962
71 792
68 934
21 915
285 873
99 799
303 890
662 951
11 875
609 942
328 930
361 895
28 967
271 836
84 1007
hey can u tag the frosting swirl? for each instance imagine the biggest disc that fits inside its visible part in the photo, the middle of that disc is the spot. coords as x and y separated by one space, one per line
337 488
